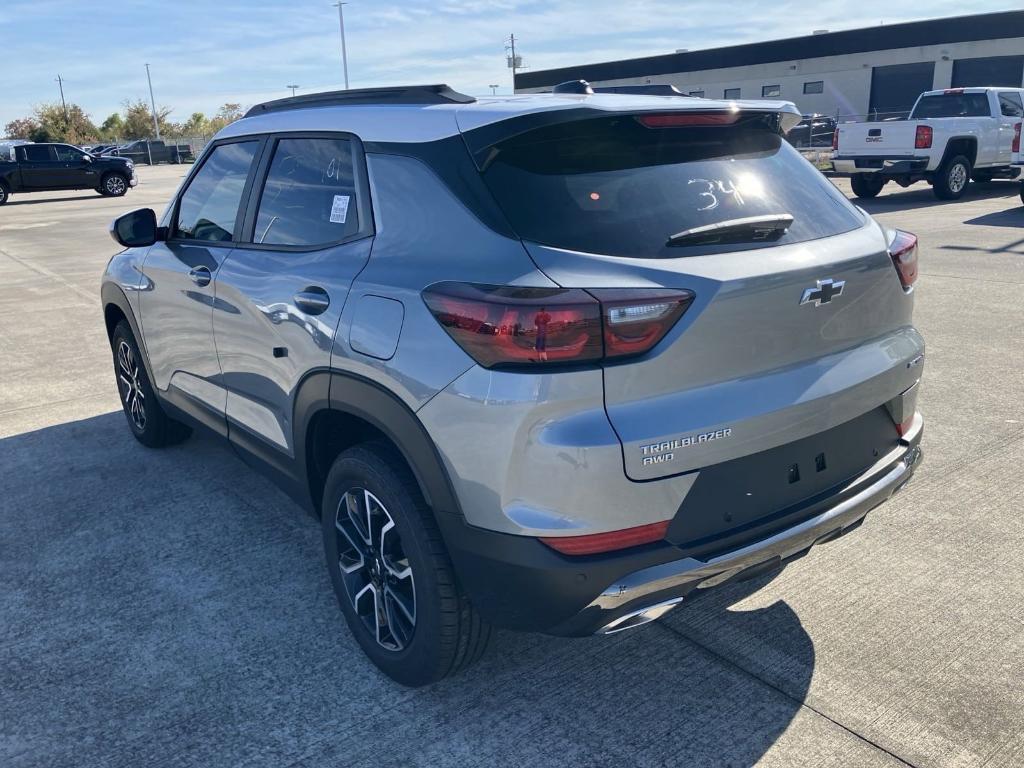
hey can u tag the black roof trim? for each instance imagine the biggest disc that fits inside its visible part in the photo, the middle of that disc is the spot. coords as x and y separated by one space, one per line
399 94
984 26
661 89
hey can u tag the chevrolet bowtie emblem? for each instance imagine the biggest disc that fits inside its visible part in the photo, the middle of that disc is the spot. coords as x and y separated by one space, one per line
825 291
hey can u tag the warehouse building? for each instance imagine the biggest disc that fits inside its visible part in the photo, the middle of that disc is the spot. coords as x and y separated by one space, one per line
876 71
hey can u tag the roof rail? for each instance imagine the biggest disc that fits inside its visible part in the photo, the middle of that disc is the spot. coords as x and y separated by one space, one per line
399 94
659 89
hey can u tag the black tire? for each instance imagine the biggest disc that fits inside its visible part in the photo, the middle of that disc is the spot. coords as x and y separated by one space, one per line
1022 193
866 184
952 178
5 193
113 184
155 429
446 634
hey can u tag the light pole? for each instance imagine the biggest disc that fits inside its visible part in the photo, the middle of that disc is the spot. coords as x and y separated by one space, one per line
152 101
494 90
60 84
293 87
341 24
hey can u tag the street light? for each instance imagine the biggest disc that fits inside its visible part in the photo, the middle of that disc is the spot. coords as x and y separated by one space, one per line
156 124
341 24
293 87
494 90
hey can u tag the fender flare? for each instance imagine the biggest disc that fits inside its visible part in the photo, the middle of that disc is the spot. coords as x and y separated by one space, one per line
355 395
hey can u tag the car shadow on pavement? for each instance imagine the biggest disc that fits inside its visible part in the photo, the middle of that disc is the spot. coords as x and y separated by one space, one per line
41 200
172 607
920 195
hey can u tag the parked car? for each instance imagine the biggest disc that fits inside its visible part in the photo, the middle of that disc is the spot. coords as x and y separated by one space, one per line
99 149
154 152
46 167
812 131
525 390
952 136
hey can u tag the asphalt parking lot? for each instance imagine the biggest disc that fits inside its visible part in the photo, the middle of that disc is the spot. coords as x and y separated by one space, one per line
171 608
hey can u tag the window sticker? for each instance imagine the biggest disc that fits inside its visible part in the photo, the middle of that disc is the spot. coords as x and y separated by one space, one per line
339 210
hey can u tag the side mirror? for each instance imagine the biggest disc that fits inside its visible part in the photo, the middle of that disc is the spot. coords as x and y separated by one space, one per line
136 229
87 158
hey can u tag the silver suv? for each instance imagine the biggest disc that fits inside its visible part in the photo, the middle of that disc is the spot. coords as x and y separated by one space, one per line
549 362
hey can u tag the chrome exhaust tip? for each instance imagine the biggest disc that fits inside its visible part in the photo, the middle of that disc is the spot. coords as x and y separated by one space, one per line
639 617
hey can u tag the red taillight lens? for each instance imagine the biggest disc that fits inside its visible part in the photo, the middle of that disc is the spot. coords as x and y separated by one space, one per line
677 119
1016 138
903 250
923 137
508 326
593 543
835 139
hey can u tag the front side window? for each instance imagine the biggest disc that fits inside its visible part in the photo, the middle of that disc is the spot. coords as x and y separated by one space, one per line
771 91
66 154
209 206
1010 104
731 93
309 198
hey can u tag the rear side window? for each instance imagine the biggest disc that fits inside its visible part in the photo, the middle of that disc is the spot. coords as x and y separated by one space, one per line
309 198
614 186
209 206
1010 104
36 154
951 105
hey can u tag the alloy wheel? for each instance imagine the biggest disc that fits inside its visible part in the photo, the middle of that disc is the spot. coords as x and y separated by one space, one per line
957 177
115 185
131 390
374 569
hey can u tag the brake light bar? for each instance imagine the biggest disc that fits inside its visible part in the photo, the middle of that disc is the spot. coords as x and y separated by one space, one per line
594 543
678 119
923 137
953 90
510 326
903 250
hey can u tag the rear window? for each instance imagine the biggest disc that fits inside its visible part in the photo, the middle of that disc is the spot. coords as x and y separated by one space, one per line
951 105
615 187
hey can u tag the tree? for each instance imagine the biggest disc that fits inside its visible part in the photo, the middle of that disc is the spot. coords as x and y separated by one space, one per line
112 127
22 128
138 120
228 113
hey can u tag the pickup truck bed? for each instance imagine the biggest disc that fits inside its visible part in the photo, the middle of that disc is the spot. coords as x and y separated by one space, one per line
952 136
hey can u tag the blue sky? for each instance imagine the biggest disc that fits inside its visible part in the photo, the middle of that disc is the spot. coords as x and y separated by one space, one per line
206 53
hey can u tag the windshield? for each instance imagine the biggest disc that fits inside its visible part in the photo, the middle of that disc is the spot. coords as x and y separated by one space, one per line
951 105
614 186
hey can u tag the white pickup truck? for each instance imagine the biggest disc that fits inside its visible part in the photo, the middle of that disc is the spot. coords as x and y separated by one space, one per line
952 136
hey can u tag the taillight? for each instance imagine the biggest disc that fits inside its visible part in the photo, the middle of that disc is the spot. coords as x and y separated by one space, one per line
923 137
903 250
509 326
835 139
1016 138
678 119
593 543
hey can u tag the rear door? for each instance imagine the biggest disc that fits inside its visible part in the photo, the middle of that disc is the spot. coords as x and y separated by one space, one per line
280 293
784 339
39 166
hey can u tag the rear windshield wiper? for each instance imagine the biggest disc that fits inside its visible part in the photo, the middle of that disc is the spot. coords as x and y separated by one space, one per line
751 229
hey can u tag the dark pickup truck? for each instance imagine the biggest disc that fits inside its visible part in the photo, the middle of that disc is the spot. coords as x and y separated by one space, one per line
153 152
46 167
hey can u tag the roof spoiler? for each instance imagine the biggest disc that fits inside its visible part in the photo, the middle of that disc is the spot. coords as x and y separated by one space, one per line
400 94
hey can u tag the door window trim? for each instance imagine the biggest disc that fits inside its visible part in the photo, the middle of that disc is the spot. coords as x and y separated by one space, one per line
362 189
172 220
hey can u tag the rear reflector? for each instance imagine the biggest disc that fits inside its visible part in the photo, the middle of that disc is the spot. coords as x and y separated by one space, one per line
594 543
923 137
1016 138
903 250
508 326
677 119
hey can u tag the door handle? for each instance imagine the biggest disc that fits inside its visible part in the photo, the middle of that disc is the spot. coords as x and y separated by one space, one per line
312 300
200 275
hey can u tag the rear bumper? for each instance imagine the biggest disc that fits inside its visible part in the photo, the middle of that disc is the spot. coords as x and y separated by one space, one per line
519 583
886 165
